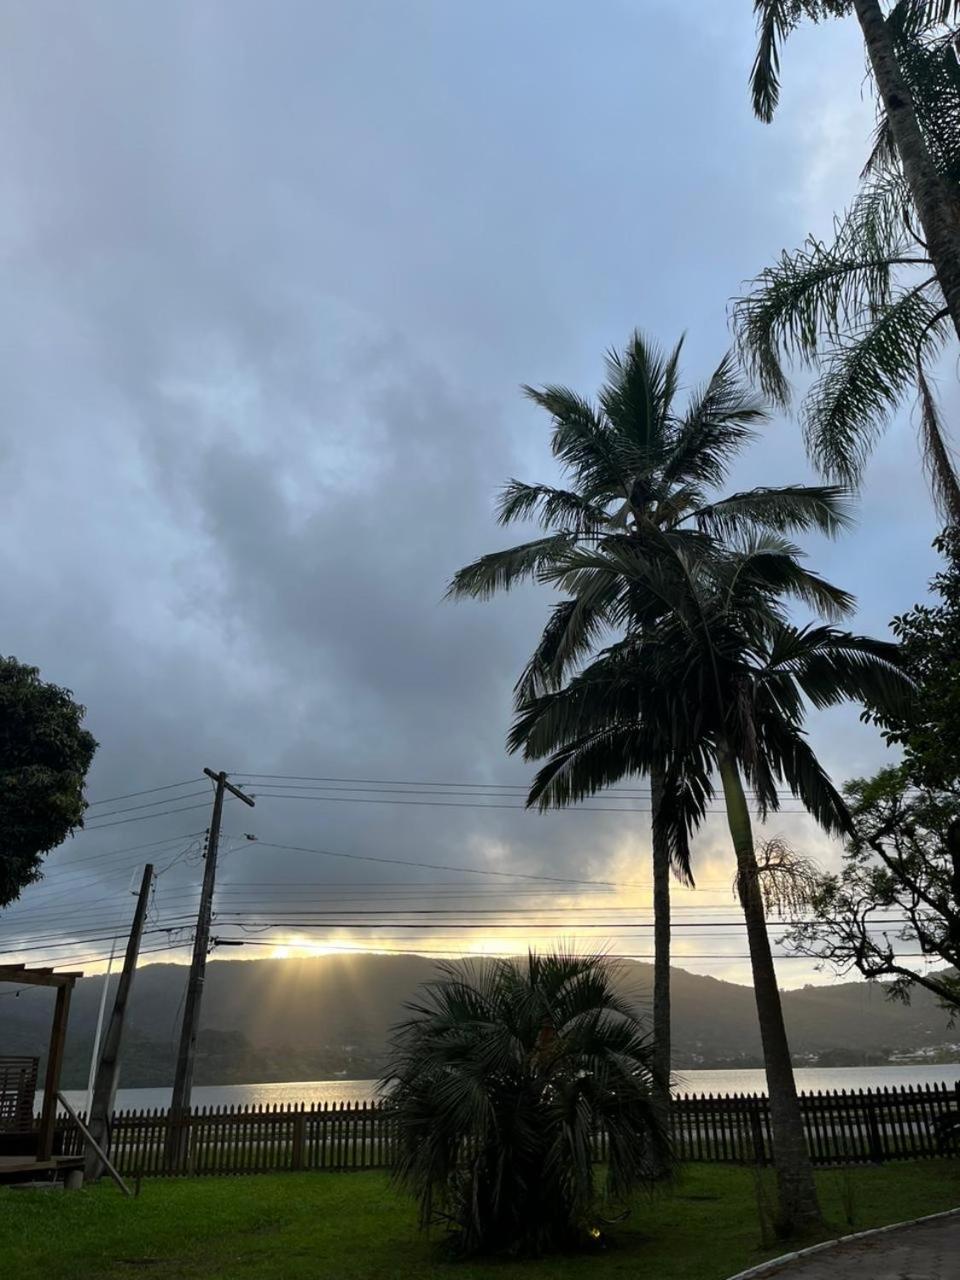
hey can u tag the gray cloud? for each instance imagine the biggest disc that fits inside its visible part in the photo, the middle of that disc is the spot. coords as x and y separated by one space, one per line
274 274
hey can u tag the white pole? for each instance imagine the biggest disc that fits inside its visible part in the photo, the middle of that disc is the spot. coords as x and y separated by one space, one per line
96 1035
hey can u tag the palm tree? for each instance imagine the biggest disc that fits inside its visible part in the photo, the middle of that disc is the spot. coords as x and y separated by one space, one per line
714 677
499 1084
932 198
866 309
633 461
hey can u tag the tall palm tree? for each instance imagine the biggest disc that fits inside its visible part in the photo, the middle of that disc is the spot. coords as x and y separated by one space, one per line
634 461
714 677
866 309
499 1083
934 202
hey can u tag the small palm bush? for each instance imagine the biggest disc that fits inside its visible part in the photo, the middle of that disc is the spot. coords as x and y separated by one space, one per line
499 1083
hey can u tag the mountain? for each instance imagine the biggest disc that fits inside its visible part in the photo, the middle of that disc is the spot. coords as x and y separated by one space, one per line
323 1016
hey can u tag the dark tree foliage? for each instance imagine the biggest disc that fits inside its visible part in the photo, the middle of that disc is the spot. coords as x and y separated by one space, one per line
930 645
500 1081
898 893
44 756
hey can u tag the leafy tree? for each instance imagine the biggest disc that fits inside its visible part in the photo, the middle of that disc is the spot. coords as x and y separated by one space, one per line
633 462
908 133
866 308
928 731
44 757
713 677
500 1082
898 893
902 863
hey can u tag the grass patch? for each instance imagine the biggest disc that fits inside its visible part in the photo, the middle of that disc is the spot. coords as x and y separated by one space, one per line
328 1226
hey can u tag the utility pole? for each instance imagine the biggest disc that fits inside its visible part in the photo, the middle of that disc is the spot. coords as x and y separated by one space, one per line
98 1031
108 1071
177 1132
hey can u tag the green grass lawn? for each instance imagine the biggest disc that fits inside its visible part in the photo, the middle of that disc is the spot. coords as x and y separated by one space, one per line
356 1227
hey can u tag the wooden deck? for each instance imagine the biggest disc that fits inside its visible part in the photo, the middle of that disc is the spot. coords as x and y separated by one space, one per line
15 1167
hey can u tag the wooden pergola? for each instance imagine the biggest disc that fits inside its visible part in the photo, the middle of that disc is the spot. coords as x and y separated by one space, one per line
63 982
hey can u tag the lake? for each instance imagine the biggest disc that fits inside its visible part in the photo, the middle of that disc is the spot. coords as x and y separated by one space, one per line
810 1079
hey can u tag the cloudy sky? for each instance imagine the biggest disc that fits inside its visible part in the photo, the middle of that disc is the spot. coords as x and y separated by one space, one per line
273 275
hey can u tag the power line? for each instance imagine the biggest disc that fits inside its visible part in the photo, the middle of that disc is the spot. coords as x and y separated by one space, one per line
120 822
436 866
81 936
399 782
150 804
132 848
350 915
454 952
149 791
468 804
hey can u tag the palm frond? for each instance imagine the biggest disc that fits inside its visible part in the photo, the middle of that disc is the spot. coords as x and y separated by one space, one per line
789 756
775 20
501 570
937 457
581 441
835 666
767 566
641 383
790 508
686 794
818 293
551 507
719 420
634 579
924 38
571 633
865 377
606 695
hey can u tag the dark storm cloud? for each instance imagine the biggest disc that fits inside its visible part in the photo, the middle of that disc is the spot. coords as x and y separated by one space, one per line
273 276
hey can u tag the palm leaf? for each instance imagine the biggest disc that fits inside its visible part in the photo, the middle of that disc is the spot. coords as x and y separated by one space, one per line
790 508
719 420
818 293
502 570
775 20
864 379
937 457
550 507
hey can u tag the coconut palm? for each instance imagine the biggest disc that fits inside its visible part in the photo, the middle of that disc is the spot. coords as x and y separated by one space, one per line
930 193
713 676
866 309
634 460
499 1083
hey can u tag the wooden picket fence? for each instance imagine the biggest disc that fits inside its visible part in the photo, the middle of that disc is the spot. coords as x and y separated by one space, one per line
856 1127
863 1126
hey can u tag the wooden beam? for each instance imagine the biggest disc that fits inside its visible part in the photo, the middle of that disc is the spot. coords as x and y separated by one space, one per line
51 1082
25 977
93 1143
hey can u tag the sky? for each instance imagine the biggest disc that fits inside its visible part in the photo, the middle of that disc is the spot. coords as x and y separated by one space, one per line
274 275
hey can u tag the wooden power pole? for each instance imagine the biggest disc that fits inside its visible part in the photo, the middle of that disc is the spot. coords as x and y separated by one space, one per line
177 1131
108 1069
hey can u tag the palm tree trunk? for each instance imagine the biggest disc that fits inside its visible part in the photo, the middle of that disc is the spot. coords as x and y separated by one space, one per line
797 1192
931 195
661 955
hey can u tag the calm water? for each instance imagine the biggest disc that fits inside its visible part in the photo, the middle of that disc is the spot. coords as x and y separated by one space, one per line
309 1091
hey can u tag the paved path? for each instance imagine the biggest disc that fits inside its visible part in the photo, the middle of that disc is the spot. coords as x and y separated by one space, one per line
929 1251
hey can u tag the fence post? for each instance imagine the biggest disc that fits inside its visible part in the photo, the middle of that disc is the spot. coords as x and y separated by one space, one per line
877 1154
297 1157
756 1132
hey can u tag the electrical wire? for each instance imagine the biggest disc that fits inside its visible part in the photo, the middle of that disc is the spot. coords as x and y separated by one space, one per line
398 782
148 791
